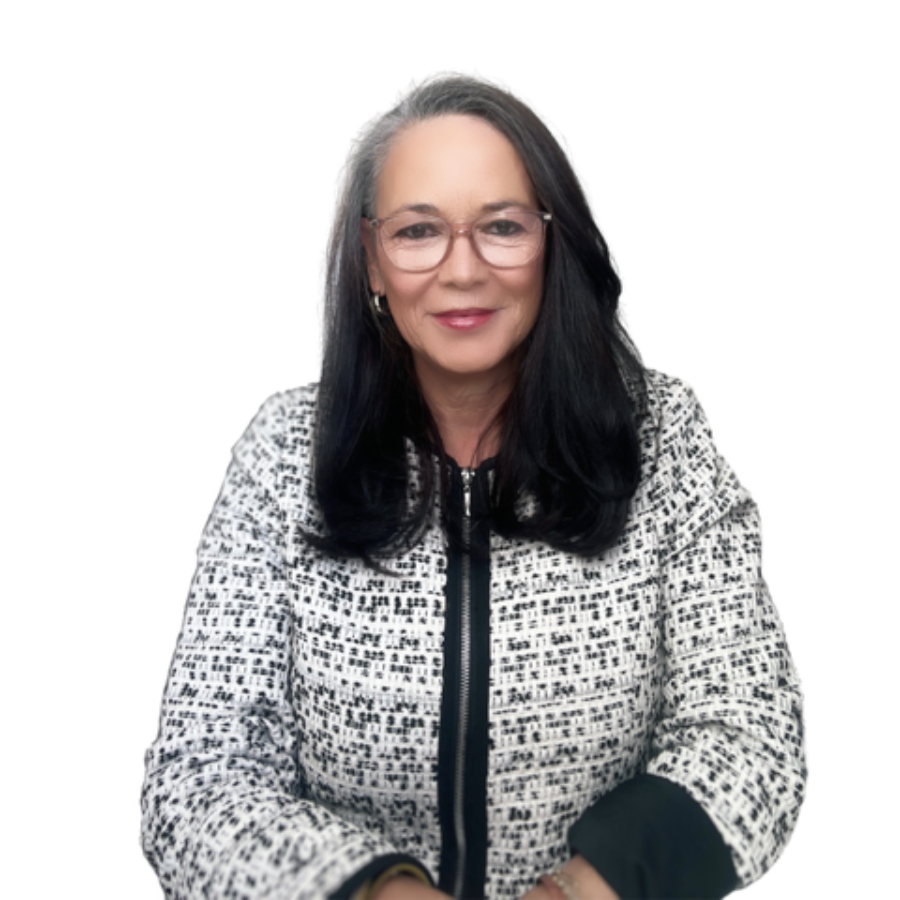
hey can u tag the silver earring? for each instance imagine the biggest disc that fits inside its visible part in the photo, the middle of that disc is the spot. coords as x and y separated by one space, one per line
376 305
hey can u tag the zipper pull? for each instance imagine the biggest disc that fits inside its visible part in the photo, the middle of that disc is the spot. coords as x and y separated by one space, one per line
468 476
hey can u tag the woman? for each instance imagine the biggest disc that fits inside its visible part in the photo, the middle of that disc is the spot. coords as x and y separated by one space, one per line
482 614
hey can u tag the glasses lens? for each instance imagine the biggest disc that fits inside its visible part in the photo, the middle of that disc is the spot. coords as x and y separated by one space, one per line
510 237
505 239
414 241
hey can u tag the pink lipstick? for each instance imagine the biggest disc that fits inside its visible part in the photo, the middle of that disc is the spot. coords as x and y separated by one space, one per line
464 319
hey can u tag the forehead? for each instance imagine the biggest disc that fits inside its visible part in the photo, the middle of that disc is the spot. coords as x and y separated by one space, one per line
457 164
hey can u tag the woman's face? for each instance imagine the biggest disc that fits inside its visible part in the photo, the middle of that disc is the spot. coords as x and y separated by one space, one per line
464 319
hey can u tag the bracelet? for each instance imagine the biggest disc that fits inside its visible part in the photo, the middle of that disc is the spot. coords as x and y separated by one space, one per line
400 869
552 888
560 885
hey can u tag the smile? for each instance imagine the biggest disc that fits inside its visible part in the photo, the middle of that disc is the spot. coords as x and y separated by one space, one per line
465 319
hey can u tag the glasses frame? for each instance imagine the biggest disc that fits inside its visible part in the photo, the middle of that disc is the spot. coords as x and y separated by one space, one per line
463 229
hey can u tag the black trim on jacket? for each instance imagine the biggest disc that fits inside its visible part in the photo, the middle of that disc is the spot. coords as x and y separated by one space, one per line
372 871
651 840
470 883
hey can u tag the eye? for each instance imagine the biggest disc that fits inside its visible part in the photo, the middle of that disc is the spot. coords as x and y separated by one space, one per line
418 231
412 229
502 228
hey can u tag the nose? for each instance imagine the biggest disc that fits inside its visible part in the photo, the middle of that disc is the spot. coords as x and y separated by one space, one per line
462 266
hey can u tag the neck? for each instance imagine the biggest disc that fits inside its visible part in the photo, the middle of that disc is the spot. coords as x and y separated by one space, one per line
465 410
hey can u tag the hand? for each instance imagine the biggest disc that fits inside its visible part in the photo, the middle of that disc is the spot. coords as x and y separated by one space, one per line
591 884
405 887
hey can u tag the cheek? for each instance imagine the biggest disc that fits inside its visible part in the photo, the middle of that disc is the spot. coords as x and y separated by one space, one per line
406 293
531 290
405 299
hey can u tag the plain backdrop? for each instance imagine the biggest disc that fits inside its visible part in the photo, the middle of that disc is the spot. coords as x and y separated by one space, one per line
167 178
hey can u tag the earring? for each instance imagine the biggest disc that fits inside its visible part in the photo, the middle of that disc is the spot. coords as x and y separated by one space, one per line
377 308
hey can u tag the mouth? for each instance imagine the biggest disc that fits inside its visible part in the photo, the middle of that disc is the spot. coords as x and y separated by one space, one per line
465 319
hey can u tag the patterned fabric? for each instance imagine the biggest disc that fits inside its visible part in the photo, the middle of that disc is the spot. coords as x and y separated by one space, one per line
299 731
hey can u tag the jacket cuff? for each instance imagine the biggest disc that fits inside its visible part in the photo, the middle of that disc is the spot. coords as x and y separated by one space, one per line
373 870
650 839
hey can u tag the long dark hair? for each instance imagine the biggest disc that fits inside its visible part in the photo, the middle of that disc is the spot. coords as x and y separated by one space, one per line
569 459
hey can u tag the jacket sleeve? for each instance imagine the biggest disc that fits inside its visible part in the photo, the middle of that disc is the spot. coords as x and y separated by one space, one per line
223 807
726 772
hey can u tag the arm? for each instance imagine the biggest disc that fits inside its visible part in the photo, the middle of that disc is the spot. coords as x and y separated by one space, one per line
726 772
224 812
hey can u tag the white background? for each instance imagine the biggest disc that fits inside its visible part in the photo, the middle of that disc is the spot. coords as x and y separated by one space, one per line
167 178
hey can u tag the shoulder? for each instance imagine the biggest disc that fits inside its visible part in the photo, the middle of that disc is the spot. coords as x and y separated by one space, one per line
286 419
278 441
686 479
669 399
673 424
274 453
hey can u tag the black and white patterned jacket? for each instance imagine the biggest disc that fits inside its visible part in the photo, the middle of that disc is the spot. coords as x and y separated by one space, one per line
301 741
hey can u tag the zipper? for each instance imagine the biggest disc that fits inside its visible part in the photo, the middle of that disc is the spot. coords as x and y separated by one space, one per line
463 744
465 671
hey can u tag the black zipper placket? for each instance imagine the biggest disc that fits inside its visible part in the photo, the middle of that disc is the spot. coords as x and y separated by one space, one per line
463 751
465 681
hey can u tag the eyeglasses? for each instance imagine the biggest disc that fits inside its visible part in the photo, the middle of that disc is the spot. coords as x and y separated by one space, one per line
416 242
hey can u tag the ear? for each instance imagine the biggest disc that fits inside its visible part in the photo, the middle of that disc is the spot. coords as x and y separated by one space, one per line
368 238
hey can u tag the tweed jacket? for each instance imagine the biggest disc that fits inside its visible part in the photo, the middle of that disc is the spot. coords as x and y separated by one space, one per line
300 723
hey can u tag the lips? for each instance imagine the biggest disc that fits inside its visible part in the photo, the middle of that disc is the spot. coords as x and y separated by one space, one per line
464 319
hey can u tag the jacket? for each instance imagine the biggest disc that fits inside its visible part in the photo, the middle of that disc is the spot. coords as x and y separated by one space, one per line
633 706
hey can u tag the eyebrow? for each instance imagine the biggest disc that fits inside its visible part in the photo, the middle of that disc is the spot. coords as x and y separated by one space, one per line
429 209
